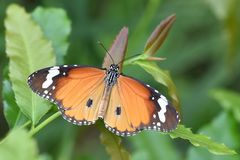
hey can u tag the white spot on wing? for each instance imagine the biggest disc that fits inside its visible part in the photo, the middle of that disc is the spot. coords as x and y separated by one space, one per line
154 116
162 101
55 67
51 73
164 98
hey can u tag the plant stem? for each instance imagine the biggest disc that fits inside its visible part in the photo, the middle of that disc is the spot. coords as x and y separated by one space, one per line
137 58
26 124
44 123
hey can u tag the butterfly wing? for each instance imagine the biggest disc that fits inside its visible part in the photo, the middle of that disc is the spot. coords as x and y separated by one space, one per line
77 90
134 107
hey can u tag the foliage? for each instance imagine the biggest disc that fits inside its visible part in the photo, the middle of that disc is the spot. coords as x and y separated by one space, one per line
196 63
154 146
45 17
201 140
11 109
226 135
113 145
229 100
24 49
12 146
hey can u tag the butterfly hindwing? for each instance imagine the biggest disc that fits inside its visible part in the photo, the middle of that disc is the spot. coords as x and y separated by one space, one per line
134 107
77 90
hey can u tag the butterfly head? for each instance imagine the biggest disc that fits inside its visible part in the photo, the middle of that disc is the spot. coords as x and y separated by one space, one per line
114 68
112 74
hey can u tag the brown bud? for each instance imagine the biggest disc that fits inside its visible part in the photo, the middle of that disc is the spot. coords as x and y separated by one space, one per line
158 35
156 58
117 50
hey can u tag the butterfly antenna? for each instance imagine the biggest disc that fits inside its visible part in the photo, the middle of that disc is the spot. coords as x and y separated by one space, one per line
100 43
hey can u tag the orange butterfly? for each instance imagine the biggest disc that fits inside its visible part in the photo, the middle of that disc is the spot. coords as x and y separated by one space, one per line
84 94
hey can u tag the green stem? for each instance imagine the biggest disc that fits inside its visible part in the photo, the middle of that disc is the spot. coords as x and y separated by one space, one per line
44 123
26 124
137 58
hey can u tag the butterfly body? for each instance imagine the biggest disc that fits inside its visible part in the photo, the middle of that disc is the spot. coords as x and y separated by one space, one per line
84 94
105 100
112 74
110 79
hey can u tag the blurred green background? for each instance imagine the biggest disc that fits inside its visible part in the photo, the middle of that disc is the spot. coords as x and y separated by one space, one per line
202 51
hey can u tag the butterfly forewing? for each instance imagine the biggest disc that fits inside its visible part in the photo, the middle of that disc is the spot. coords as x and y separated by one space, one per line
77 90
134 107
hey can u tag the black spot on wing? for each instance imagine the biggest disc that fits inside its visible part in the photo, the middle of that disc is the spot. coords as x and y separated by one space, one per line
118 111
89 102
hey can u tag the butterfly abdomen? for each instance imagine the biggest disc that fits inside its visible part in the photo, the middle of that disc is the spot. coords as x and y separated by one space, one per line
104 101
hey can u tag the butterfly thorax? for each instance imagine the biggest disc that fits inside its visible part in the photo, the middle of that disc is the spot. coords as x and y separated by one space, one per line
112 75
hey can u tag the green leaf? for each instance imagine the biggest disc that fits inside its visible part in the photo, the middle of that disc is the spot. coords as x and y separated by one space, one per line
56 27
11 109
229 100
200 154
160 76
18 145
229 135
113 145
201 140
152 145
28 51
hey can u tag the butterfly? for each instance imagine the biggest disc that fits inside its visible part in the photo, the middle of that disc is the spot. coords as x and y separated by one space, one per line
85 94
